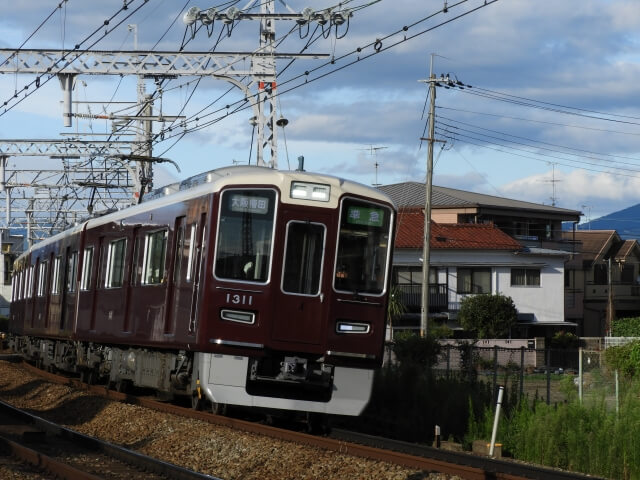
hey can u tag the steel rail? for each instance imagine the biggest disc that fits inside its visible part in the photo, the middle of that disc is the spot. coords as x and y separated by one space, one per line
129 457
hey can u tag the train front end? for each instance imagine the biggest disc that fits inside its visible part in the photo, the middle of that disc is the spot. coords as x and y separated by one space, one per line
294 307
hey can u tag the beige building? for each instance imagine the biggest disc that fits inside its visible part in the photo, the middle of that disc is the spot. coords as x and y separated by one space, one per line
606 270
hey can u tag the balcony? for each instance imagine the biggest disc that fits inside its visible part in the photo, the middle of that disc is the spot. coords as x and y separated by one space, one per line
595 291
411 297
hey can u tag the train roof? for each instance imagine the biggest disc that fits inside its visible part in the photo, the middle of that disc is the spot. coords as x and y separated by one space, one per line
214 180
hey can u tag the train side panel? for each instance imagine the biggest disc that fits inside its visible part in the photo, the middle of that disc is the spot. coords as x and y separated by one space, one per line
144 277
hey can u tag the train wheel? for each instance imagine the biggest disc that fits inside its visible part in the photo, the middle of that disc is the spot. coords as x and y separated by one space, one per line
219 408
122 386
92 376
197 403
318 423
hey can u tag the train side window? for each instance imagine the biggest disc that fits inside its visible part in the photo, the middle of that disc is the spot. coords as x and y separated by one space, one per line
42 278
303 258
55 281
31 281
192 246
155 249
245 235
87 267
179 253
115 263
72 266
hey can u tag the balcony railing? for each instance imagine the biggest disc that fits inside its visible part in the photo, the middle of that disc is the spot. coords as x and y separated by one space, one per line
411 296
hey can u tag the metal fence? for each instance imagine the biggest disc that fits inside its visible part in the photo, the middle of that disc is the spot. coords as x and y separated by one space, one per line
546 374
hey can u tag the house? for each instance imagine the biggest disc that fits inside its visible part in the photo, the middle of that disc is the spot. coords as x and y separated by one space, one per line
531 224
467 259
605 269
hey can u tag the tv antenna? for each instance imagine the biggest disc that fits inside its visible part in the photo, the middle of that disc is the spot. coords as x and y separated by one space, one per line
373 151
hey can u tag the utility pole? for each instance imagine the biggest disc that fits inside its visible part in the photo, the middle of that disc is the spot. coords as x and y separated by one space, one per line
426 250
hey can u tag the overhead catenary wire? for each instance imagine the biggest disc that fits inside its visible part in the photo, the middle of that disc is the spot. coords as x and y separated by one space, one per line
38 82
376 46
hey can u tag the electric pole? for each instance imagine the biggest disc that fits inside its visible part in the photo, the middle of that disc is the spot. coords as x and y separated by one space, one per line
433 82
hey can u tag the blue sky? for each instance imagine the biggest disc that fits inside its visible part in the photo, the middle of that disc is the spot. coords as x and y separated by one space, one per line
553 115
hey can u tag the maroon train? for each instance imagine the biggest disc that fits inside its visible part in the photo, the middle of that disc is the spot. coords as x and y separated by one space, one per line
241 286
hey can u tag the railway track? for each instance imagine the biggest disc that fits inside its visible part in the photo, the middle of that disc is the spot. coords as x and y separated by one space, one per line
409 455
63 453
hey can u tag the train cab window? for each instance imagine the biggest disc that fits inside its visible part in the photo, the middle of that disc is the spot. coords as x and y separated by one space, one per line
155 249
245 235
55 281
87 267
363 247
115 263
303 258
71 275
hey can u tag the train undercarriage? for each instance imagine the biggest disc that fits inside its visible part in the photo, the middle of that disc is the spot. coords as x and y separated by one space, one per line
209 380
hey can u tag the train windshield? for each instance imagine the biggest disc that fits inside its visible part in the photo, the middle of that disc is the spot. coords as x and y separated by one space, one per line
245 234
363 247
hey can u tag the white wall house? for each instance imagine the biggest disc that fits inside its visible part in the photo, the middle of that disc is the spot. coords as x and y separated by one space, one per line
467 259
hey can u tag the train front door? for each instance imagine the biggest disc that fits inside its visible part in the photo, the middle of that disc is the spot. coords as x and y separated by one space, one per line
300 309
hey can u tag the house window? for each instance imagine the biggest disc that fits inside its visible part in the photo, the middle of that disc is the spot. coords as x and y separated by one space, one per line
474 280
155 248
413 275
626 274
600 276
525 277
115 263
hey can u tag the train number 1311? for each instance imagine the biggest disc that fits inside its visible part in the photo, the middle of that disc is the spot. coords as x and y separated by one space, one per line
238 299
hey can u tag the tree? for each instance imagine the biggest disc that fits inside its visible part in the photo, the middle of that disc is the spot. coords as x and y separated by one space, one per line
488 316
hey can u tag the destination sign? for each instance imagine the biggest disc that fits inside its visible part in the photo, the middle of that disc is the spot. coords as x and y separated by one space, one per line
248 204
370 217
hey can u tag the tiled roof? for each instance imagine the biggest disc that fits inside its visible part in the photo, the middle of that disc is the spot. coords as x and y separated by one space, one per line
450 236
626 249
595 243
412 194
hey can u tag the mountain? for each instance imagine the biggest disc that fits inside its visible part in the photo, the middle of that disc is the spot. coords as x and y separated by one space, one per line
626 222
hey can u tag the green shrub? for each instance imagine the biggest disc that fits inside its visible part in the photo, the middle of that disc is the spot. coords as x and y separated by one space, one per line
564 339
487 316
625 358
626 327
413 350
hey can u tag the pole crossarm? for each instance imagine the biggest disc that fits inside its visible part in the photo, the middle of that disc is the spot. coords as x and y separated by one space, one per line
63 148
152 64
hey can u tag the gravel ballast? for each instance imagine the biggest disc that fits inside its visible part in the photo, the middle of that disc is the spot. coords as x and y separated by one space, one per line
212 449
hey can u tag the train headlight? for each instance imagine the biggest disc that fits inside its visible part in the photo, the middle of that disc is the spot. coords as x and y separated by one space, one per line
310 191
352 327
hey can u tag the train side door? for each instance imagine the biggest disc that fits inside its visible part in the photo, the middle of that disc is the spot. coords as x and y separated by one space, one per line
300 309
